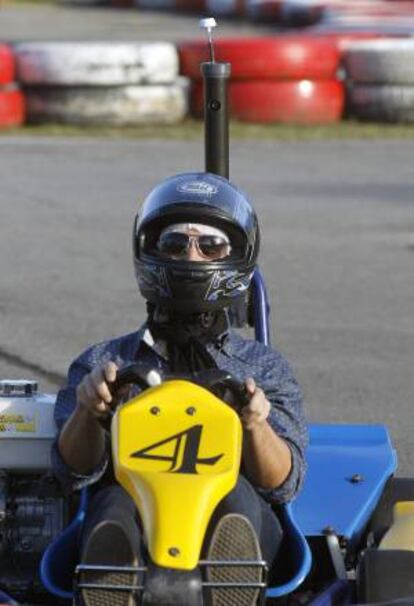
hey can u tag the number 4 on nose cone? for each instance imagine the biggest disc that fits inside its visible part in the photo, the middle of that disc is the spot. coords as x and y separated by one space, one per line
184 458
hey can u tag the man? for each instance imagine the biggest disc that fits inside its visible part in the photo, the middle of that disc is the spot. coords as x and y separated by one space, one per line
196 242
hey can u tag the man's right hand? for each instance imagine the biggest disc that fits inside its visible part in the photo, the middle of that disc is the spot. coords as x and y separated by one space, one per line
93 392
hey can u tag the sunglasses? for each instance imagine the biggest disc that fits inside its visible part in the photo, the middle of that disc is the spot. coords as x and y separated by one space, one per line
177 244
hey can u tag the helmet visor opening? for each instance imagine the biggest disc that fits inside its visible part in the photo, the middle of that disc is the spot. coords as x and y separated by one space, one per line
151 242
177 244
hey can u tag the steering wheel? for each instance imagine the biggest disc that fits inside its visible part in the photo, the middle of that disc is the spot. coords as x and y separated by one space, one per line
212 379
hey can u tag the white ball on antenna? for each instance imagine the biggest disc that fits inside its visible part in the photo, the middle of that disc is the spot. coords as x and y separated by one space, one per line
153 378
208 23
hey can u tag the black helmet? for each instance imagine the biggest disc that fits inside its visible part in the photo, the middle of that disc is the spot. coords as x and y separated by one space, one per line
190 286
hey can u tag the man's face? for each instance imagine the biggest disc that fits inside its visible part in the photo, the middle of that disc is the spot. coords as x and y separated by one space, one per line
193 242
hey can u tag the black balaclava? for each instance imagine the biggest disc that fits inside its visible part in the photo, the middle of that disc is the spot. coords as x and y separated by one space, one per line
186 336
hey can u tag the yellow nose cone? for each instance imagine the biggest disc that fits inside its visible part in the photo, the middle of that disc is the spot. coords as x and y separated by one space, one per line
176 450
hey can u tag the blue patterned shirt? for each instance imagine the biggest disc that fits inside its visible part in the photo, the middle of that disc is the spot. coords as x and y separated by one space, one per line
237 355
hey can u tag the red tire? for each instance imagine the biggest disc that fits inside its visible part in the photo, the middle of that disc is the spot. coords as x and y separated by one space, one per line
286 57
300 102
344 39
12 107
6 64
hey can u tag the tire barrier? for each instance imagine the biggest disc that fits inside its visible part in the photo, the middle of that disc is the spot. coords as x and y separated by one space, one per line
288 78
96 63
12 103
380 80
109 106
7 69
343 40
102 83
286 57
299 102
379 14
155 4
387 61
382 103
193 6
287 12
382 16
12 106
225 8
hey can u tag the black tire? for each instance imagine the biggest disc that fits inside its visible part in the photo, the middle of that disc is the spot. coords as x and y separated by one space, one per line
385 575
381 103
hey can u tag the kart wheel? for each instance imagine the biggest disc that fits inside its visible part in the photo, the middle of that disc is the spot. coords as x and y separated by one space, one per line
385 575
6 64
285 57
301 102
96 64
12 107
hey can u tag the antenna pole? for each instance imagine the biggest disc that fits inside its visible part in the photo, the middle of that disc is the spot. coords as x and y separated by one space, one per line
216 115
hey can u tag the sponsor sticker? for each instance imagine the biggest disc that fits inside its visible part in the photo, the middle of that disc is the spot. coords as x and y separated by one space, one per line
17 423
197 188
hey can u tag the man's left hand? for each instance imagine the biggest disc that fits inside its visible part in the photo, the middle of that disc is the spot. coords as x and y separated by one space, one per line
256 412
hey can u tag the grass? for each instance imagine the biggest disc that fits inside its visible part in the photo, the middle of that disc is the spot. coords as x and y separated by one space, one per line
192 130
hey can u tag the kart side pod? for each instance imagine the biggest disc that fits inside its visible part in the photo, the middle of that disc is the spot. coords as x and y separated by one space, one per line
176 450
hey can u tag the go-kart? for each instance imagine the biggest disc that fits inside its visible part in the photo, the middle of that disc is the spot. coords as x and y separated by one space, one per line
348 537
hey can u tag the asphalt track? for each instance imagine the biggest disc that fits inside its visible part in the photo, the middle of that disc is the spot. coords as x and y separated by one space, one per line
338 242
338 252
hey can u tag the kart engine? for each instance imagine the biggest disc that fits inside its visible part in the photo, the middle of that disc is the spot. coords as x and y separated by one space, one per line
32 509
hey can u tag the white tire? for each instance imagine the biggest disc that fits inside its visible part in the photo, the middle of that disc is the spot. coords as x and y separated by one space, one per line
382 103
117 106
386 61
96 63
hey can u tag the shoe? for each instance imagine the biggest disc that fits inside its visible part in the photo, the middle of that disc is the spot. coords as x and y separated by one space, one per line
108 545
234 538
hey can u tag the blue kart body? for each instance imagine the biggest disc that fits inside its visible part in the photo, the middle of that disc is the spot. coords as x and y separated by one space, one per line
349 467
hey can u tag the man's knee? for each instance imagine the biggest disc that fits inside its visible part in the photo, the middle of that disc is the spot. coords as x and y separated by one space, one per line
244 500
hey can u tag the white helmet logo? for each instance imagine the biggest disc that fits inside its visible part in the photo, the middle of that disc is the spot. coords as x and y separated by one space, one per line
197 188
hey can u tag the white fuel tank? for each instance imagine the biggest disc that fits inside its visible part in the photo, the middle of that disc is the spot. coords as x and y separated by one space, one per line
27 427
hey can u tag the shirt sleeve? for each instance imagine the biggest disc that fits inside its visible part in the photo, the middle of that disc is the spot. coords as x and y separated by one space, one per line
287 420
64 407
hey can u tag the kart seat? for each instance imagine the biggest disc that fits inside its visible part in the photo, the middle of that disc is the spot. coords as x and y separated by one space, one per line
62 555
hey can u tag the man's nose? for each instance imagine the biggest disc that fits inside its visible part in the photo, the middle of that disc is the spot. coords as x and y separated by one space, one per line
192 252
